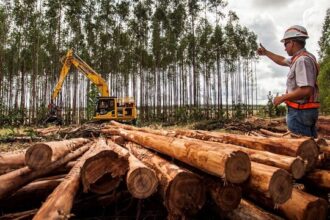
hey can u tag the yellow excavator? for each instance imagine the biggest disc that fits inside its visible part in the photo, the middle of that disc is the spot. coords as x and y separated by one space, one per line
107 107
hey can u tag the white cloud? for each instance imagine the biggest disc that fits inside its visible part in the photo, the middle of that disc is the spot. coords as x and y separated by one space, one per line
269 19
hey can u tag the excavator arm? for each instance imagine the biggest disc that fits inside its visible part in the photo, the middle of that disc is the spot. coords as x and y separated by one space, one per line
72 59
107 107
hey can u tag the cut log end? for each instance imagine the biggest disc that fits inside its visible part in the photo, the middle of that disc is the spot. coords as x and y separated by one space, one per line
238 167
185 195
38 156
227 198
280 187
102 174
298 168
309 151
142 182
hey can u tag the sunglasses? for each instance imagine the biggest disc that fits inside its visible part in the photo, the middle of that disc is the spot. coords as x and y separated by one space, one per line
286 43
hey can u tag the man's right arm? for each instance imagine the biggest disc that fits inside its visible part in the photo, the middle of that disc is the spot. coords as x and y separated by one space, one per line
274 57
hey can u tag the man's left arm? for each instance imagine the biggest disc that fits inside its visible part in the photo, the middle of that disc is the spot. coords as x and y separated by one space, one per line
296 94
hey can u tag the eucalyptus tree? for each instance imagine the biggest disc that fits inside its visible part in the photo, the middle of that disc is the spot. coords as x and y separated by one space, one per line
230 57
206 59
193 10
4 28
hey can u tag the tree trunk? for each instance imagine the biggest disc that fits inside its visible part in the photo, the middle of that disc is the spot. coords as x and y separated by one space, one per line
59 203
228 163
227 197
294 165
248 210
40 155
303 206
183 191
12 160
30 195
141 181
319 178
103 172
19 215
270 182
305 148
12 181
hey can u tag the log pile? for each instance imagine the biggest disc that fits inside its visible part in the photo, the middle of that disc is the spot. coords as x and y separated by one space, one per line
117 169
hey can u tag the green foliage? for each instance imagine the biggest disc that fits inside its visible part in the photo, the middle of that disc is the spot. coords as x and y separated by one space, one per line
324 85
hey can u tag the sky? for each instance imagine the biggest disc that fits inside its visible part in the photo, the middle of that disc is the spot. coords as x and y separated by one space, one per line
269 19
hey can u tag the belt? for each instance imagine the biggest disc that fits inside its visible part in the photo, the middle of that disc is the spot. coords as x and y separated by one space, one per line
308 105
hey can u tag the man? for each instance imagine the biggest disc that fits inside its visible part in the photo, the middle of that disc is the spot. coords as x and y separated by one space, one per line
302 91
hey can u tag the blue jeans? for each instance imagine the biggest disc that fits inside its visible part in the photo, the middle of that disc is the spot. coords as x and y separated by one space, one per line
302 121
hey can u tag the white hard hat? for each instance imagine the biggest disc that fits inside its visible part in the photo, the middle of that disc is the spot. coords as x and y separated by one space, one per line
295 31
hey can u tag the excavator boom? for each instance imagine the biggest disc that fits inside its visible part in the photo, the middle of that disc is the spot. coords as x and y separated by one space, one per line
72 59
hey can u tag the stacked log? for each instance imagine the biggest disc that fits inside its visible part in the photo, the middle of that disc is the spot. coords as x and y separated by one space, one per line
231 164
41 155
305 148
182 191
11 160
141 180
192 171
11 182
102 172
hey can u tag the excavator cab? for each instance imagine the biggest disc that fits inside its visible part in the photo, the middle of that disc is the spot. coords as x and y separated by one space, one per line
113 108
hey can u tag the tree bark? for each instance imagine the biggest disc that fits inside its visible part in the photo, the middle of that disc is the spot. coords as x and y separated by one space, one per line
183 191
141 180
305 148
231 164
103 172
12 181
248 210
270 182
41 155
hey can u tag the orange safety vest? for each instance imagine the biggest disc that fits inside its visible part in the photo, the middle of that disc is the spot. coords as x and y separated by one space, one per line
311 103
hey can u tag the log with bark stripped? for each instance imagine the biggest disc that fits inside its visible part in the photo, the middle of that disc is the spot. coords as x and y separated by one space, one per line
103 172
270 182
59 203
183 191
306 148
11 182
319 178
248 210
294 165
301 206
30 195
231 164
12 160
227 197
141 181
41 155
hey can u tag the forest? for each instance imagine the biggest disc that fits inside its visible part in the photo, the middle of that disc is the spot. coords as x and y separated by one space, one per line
180 60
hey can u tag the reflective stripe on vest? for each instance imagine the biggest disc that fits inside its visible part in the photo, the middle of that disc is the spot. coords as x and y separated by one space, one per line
311 103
